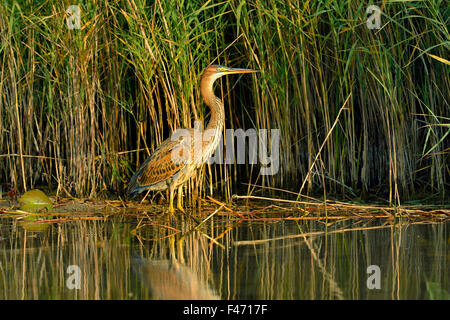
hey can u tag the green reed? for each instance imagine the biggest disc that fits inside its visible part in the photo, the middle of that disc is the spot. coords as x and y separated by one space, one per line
81 109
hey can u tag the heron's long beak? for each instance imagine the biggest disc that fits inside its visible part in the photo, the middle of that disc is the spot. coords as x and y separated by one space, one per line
240 70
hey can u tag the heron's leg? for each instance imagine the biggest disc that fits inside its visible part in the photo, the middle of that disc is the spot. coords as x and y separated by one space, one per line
171 192
180 199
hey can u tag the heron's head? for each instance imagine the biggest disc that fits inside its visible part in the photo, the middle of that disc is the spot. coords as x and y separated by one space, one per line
211 74
216 71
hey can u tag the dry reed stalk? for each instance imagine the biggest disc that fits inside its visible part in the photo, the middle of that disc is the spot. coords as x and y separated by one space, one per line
81 109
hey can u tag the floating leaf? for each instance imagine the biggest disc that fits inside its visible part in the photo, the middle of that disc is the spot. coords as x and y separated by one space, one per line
35 201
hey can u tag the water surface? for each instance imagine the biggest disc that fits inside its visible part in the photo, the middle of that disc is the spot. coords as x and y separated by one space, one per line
142 256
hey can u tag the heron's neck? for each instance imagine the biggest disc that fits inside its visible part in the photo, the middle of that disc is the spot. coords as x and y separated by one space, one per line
217 118
214 103
216 122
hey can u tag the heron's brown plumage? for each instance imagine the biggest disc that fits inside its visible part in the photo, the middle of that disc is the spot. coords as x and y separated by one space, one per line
158 167
159 171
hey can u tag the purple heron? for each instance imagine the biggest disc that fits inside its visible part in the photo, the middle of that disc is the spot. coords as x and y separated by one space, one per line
159 171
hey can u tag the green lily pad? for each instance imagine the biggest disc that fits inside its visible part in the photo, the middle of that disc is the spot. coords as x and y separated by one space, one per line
35 201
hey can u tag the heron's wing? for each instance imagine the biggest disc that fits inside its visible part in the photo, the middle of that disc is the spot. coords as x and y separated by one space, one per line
158 167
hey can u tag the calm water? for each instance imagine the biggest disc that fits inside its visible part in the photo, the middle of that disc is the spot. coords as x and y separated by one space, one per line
134 256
